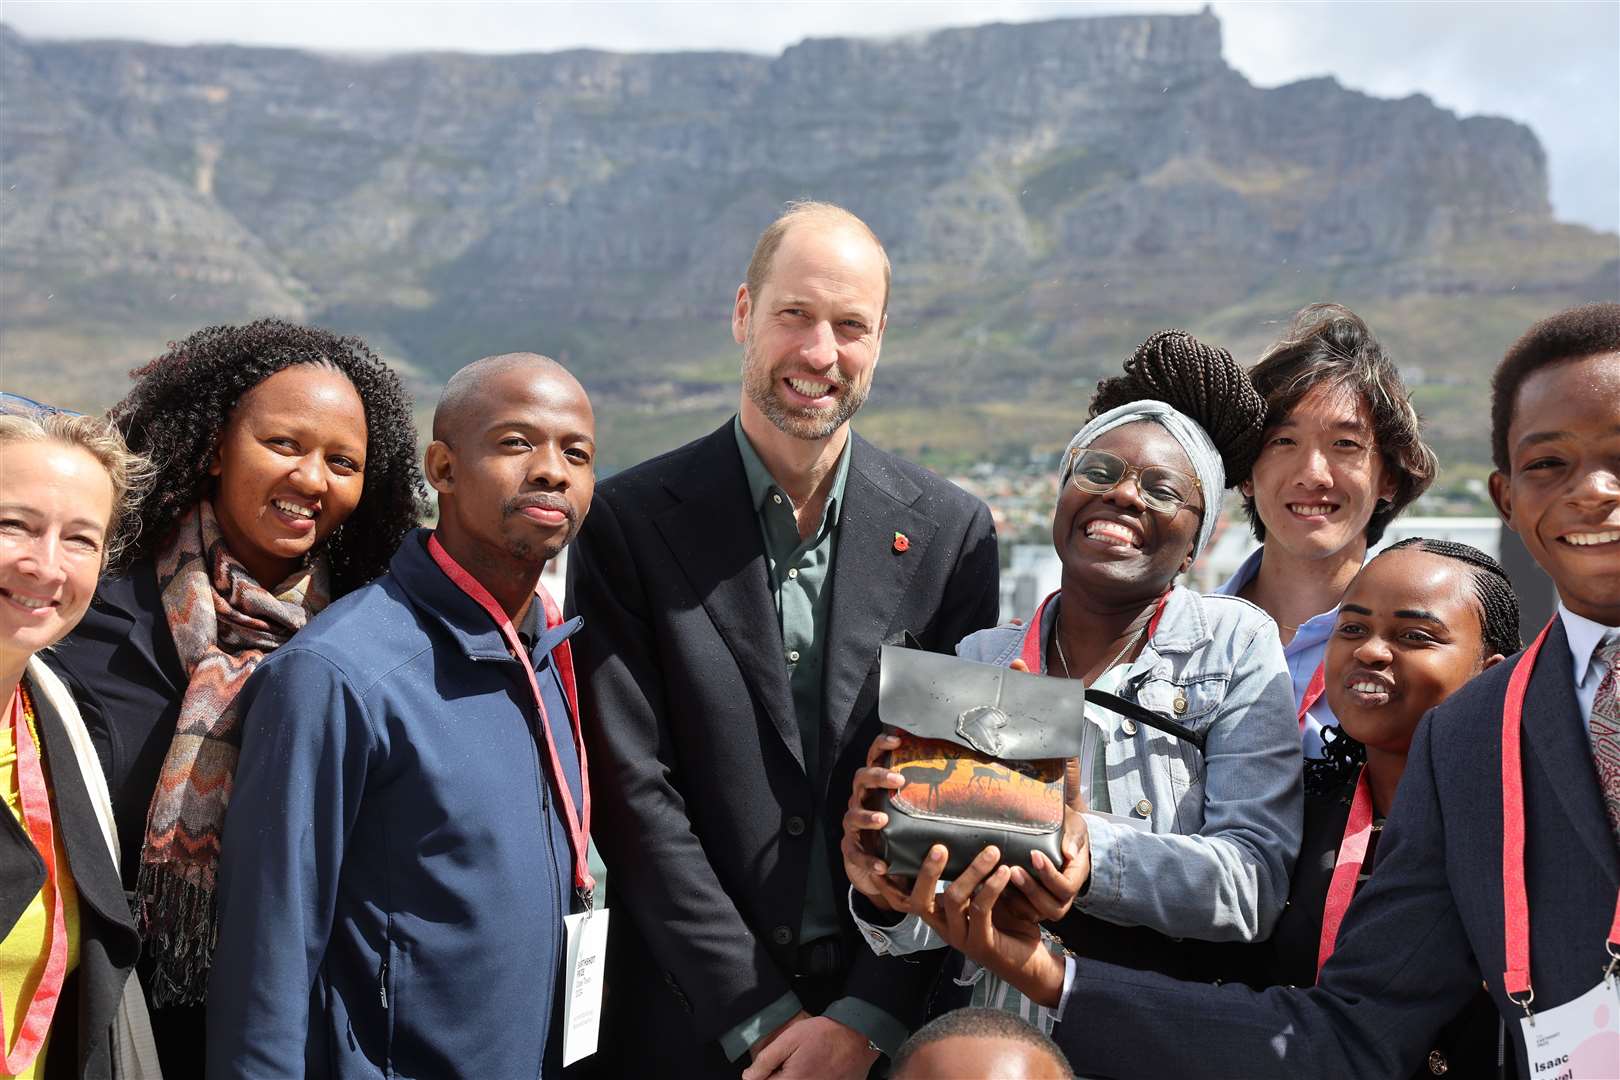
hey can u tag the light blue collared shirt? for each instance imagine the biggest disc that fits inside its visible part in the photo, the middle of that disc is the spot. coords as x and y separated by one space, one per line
1584 638
1304 655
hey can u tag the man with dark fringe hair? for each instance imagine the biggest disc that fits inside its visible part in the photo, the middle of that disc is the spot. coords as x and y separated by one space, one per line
1340 456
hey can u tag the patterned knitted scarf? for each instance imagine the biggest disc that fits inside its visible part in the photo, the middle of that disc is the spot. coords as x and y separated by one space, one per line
223 622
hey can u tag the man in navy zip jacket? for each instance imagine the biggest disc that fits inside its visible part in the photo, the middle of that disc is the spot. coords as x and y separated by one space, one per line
396 864
1430 924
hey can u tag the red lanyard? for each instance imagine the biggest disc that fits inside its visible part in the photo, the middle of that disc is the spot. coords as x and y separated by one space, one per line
36 812
1346 868
579 824
1515 903
1032 633
1313 691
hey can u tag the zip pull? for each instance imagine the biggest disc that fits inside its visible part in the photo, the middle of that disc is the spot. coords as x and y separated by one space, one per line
382 984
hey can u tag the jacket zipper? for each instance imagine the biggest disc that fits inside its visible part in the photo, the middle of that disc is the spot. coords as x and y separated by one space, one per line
382 984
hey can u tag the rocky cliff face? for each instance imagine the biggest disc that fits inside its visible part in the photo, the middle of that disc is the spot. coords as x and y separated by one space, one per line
1049 193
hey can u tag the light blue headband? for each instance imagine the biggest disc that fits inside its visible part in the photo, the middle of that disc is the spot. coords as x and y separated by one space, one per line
1206 460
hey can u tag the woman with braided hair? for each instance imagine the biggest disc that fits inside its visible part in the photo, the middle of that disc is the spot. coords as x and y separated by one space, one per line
1421 619
1163 841
286 476
1340 456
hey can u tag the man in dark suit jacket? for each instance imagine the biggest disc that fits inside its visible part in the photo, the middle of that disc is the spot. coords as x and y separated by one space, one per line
1428 926
735 593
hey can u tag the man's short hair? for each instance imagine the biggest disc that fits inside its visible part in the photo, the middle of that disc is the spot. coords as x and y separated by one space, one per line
806 212
1574 334
976 1023
1331 346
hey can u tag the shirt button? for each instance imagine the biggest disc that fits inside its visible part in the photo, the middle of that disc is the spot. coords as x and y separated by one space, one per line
793 656
1128 726
1143 807
1179 705
794 572
795 826
782 935
777 499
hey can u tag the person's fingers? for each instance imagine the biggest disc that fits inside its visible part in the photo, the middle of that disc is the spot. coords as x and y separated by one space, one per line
1014 905
922 889
957 896
981 934
1072 798
893 895
1019 665
1048 894
770 1059
871 783
858 861
881 746
860 819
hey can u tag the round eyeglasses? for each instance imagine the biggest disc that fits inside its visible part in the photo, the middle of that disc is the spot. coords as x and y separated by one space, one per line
1162 488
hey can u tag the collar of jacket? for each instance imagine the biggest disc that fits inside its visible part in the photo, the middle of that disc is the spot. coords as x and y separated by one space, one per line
440 598
133 597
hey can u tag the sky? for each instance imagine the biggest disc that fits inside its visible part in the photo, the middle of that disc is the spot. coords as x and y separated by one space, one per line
1552 65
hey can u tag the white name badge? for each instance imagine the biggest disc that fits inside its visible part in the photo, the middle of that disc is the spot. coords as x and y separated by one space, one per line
582 989
1579 1040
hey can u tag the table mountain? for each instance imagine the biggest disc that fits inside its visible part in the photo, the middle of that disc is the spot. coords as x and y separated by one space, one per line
1050 193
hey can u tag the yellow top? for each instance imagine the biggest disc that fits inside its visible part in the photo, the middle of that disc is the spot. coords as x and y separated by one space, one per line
23 952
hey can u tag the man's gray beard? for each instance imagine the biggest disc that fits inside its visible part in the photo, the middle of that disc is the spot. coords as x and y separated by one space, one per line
759 383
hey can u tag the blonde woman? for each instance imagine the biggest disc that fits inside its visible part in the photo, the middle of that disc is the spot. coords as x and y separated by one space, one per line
69 945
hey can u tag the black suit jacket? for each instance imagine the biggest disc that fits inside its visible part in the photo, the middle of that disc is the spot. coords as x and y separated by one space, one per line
1425 929
81 1044
699 790
121 664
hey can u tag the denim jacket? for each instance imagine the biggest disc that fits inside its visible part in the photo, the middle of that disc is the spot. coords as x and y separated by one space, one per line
1226 824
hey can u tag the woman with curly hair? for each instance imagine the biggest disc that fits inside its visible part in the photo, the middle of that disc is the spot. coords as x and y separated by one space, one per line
1170 838
286 477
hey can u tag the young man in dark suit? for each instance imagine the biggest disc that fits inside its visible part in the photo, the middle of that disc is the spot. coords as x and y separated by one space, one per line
1429 926
735 594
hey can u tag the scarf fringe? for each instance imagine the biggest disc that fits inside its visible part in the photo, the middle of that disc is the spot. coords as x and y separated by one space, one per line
179 921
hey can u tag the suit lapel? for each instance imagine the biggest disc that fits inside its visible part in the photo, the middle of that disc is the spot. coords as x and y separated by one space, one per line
869 580
95 875
713 534
1558 741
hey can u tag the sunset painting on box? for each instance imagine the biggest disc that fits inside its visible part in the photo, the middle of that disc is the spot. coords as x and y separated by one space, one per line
966 786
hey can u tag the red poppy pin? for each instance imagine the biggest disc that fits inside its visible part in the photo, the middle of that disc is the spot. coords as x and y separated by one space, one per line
902 543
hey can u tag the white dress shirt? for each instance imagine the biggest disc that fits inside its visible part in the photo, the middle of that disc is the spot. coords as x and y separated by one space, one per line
1584 638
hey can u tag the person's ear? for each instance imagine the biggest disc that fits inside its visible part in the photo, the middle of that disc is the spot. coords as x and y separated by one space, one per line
741 310
1502 497
438 466
1247 488
1491 661
215 465
1386 485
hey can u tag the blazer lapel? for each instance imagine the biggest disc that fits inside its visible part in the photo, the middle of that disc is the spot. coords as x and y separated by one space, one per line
95 874
714 535
1558 741
869 580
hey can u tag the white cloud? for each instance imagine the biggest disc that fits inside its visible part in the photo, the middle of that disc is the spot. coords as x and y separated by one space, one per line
1551 65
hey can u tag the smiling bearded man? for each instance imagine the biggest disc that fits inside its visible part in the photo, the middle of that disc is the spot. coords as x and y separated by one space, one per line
736 592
